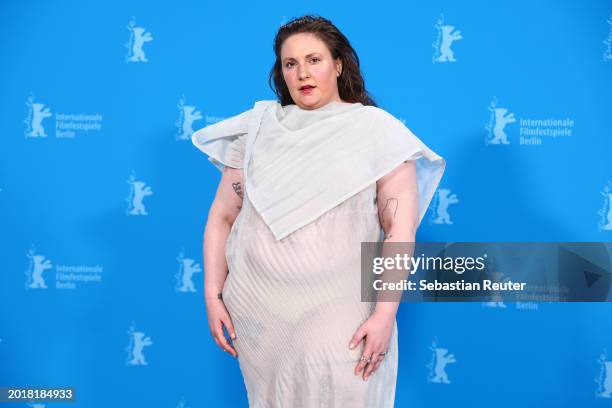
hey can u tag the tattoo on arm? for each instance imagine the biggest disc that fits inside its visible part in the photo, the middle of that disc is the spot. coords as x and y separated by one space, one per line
387 215
237 186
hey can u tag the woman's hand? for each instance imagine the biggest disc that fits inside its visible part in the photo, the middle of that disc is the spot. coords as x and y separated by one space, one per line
377 332
217 318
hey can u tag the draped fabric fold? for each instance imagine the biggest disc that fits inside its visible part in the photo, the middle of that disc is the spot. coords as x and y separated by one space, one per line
301 163
223 141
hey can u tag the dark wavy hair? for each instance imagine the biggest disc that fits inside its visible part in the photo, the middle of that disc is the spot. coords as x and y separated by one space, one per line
351 85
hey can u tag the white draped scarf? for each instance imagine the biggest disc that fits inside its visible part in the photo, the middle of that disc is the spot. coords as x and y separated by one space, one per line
301 163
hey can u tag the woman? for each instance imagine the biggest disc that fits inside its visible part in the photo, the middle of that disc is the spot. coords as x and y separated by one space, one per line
304 181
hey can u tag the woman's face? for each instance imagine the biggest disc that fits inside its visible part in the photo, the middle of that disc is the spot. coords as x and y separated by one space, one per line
306 60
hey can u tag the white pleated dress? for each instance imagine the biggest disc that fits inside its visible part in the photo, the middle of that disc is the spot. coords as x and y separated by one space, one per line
295 304
294 294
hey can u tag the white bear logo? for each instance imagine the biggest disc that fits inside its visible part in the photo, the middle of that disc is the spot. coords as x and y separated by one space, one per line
498 119
446 37
187 268
607 384
187 116
37 113
138 191
138 37
444 200
496 297
437 368
501 120
138 342
38 264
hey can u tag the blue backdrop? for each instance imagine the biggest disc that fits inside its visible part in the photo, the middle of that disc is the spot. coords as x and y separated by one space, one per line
104 198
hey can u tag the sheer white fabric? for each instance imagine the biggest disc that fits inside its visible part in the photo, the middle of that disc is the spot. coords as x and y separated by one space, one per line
293 253
301 163
295 305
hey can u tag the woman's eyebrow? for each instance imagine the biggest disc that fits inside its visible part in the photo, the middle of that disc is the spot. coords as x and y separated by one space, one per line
307 56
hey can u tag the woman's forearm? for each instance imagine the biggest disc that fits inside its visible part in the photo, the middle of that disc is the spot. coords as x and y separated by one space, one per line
397 198
215 264
389 306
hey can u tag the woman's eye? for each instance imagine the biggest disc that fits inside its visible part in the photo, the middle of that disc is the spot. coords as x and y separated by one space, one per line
290 64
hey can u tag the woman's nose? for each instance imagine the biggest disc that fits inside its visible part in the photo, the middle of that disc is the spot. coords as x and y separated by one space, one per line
303 72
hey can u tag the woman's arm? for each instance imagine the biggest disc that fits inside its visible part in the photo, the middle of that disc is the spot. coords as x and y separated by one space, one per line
398 212
397 201
223 212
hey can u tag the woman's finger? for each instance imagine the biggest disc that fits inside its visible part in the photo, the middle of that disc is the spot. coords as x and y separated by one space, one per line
366 358
218 343
229 326
373 366
223 343
359 334
370 366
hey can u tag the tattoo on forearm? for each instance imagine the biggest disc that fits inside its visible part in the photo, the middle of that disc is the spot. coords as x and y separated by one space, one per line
387 215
